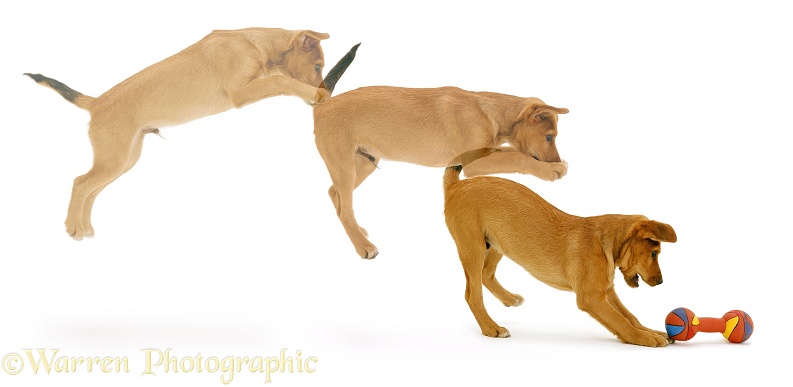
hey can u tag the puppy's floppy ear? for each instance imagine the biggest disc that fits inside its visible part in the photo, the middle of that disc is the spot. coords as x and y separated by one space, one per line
536 112
308 40
657 231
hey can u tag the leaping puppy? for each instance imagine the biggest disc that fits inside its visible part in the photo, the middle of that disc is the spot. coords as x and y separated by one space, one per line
226 69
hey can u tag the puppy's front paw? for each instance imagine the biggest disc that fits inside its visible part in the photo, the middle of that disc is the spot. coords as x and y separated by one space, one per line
660 333
321 95
495 331
557 170
664 336
650 339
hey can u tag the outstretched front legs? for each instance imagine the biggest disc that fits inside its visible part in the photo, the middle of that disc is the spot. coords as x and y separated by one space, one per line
510 160
607 309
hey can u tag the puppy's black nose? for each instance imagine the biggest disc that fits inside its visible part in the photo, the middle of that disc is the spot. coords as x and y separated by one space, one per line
660 281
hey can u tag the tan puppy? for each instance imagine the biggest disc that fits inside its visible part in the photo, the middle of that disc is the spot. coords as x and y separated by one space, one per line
429 127
490 217
224 70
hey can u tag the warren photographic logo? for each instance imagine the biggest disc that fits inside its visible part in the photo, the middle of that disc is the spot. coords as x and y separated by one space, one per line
154 362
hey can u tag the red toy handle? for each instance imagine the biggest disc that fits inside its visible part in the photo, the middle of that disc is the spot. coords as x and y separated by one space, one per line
712 324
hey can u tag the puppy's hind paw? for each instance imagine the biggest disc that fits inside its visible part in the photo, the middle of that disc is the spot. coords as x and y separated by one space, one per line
369 251
78 233
496 331
88 230
517 300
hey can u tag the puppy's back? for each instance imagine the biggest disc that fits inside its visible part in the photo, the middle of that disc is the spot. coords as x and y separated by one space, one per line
386 105
510 216
420 126
490 196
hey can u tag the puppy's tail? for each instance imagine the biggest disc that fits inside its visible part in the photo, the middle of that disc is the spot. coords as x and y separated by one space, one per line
78 99
333 76
452 174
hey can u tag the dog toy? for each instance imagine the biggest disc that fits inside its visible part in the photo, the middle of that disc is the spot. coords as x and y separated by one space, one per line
736 326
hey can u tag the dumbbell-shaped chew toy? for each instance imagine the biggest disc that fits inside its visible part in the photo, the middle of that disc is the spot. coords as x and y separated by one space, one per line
736 326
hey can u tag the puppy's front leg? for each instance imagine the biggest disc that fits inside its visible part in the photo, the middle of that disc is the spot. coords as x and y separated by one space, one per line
597 305
510 160
615 301
249 91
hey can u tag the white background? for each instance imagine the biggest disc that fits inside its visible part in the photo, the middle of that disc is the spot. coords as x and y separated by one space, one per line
222 240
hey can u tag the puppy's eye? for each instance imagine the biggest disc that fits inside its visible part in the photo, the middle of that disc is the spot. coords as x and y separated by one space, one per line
317 67
549 138
654 254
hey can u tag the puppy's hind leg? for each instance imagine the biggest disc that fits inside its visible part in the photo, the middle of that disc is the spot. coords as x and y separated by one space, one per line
472 256
111 154
341 166
365 164
492 259
137 147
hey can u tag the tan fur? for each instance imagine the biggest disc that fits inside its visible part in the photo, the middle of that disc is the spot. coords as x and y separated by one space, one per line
429 127
578 254
224 70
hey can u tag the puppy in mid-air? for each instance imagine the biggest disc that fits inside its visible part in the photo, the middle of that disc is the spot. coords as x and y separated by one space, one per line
429 127
490 217
224 70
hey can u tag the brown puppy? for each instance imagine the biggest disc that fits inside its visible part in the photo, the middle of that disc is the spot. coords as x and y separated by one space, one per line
224 70
429 127
490 217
